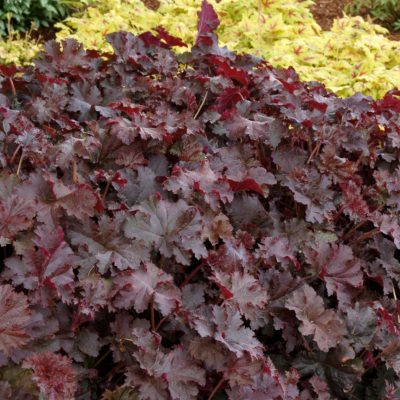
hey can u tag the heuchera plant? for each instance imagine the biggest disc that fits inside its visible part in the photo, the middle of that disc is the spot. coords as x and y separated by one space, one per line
200 226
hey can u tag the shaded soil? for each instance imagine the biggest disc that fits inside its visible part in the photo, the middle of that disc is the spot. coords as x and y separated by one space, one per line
325 11
44 34
394 36
152 4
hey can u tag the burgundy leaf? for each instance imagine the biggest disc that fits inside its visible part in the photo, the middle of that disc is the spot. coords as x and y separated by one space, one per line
203 180
169 39
247 184
320 388
311 189
242 171
139 185
233 335
123 129
182 375
103 245
208 20
223 68
149 387
85 97
14 318
229 97
15 215
233 255
47 268
355 205
361 321
80 202
243 290
338 268
145 130
219 228
389 225
172 227
96 294
210 352
53 374
264 383
67 57
148 283
276 248
257 129
324 325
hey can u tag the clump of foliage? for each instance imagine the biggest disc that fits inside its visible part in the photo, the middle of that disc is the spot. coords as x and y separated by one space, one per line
387 12
19 49
19 17
355 56
198 226
258 23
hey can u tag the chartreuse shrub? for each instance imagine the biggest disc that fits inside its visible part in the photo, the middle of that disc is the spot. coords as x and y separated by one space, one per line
258 22
200 226
18 49
354 56
19 17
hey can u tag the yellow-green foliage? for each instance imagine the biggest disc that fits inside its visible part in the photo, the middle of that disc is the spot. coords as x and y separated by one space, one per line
108 16
20 48
354 56
17 49
245 24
